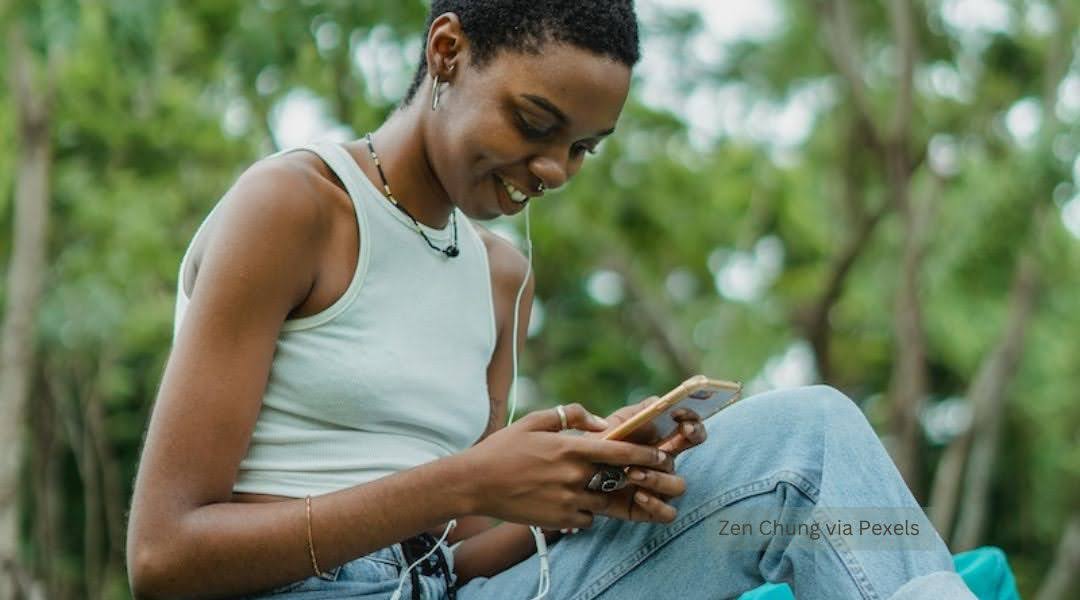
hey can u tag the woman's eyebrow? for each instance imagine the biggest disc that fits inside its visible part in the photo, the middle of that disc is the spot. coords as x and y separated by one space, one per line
559 115
549 106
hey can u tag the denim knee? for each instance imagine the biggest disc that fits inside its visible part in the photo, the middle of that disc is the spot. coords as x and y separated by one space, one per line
833 403
806 405
781 434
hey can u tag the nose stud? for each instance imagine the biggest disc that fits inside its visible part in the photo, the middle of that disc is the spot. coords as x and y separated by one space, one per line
540 188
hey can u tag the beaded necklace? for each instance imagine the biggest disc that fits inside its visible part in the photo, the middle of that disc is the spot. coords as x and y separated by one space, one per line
451 250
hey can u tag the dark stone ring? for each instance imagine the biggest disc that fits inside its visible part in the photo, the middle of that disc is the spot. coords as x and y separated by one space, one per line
608 479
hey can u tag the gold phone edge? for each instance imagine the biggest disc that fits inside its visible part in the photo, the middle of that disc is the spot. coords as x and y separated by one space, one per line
687 387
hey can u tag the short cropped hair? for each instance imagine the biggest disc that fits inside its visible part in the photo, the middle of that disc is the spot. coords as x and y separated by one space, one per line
606 27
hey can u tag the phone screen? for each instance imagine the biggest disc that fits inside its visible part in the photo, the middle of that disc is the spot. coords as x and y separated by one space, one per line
704 403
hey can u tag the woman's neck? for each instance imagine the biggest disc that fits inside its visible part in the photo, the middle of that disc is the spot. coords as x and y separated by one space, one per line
400 144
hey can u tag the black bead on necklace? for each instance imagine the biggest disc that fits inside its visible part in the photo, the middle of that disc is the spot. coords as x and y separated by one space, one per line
451 250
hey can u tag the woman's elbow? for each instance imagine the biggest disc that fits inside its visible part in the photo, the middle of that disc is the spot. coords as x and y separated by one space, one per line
144 574
150 569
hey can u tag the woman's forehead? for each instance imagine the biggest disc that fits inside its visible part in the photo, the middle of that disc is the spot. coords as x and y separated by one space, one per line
586 88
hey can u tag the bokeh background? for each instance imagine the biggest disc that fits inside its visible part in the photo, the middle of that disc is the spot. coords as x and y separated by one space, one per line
877 194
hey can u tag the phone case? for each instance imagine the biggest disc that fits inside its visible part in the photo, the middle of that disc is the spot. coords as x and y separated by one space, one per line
704 396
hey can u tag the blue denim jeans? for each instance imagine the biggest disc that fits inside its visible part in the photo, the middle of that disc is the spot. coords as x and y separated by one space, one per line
768 496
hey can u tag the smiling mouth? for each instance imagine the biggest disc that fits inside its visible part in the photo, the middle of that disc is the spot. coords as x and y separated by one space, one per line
517 196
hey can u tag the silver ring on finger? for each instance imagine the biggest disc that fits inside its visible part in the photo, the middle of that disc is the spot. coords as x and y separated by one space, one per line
562 416
608 479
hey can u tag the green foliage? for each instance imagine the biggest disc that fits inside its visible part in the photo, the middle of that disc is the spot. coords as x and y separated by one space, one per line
141 155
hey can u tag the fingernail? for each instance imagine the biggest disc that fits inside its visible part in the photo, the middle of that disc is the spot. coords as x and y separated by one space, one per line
637 475
599 421
641 497
663 456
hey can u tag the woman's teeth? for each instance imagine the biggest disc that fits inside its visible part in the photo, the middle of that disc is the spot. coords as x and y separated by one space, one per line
515 194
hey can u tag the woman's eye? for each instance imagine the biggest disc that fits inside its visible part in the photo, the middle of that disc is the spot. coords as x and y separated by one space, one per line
530 130
580 149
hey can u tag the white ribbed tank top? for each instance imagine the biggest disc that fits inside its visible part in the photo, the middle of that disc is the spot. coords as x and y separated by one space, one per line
392 375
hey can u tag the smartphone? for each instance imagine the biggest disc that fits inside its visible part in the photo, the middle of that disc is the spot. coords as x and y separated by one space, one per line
699 394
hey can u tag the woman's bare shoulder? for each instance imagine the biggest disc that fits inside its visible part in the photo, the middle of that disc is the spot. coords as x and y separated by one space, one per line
296 187
508 264
298 182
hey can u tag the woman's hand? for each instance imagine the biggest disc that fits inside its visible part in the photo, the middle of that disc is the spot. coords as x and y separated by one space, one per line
690 433
646 499
529 473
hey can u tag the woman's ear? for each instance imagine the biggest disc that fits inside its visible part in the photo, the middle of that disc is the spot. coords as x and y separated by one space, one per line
446 47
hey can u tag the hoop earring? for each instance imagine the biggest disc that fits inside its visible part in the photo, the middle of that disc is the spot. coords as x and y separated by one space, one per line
435 93
435 90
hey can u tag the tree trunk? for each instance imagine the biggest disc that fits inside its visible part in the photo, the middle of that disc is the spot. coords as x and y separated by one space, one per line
816 328
892 143
47 493
998 367
92 521
68 414
813 320
112 493
908 382
988 399
945 491
28 262
113 497
1061 581
841 42
987 396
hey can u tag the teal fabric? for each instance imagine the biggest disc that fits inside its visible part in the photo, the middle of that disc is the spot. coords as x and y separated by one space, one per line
985 570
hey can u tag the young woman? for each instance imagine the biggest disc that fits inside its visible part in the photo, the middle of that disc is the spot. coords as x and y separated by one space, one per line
345 340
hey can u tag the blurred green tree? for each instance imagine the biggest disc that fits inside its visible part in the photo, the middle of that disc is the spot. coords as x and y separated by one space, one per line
908 247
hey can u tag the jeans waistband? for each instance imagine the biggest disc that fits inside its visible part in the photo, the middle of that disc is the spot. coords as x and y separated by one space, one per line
435 564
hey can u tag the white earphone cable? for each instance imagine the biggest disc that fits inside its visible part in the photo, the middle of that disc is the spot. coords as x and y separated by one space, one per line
517 306
538 534
401 580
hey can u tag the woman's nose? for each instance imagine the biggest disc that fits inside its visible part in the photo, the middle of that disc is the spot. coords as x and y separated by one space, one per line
550 171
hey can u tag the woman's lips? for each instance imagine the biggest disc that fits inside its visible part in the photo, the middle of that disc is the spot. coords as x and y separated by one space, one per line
506 204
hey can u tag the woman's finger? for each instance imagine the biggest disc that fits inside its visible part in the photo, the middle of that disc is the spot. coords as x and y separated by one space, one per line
657 482
693 431
648 507
688 435
645 435
624 504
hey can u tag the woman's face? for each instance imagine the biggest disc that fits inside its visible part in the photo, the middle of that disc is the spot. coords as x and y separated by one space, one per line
521 119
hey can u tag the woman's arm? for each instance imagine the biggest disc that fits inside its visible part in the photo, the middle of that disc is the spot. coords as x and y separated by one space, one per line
506 544
467 527
223 549
185 538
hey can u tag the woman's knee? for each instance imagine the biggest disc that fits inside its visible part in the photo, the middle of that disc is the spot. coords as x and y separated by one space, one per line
810 411
802 405
838 410
828 400
777 434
